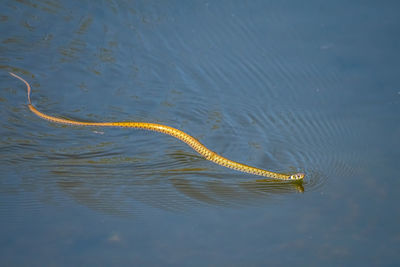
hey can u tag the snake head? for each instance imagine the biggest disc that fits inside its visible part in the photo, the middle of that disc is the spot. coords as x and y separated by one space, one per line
296 176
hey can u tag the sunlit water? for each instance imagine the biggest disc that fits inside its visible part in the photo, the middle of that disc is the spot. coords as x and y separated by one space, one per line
281 85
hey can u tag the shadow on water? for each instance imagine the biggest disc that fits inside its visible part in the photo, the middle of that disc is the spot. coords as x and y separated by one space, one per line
123 185
103 179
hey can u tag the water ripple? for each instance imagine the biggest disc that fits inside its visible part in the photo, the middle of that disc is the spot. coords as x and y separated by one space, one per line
240 87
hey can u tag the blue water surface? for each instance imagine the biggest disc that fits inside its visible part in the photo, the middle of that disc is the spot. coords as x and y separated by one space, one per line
288 86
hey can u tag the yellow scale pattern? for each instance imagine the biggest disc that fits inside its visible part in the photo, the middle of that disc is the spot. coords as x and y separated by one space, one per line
184 137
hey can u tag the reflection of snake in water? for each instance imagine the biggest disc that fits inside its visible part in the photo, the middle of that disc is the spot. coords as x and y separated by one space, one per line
191 141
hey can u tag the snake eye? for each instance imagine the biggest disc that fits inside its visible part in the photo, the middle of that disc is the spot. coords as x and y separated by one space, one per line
297 176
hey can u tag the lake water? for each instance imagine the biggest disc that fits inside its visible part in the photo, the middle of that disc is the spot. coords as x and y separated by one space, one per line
288 86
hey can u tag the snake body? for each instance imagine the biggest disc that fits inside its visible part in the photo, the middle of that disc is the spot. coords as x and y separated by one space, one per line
184 137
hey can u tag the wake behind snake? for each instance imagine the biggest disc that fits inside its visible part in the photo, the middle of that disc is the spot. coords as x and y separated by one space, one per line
184 137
